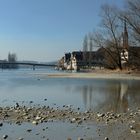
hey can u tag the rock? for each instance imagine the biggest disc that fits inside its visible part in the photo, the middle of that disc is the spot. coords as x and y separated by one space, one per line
131 114
84 119
86 111
106 138
5 136
34 122
1 124
73 120
37 118
100 114
87 128
45 99
17 105
131 127
133 131
80 138
20 138
18 122
31 102
29 130
78 108
79 122
69 139
118 115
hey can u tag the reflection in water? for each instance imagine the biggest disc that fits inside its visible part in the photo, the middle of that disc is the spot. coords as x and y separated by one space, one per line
123 97
95 94
108 96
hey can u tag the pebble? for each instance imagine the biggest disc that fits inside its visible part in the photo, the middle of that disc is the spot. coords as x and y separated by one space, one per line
131 127
17 105
100 114
34 122
5 136
106 138
29 130
37 118
84 119
20 138
73 120
80 138
133 131
31 102
1 124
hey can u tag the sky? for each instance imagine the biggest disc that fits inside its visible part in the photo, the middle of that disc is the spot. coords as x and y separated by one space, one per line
43 30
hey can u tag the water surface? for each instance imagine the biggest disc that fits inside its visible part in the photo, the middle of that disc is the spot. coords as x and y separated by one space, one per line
96 94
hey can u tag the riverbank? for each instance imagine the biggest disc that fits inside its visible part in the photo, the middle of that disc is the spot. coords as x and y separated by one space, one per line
125 125
102 74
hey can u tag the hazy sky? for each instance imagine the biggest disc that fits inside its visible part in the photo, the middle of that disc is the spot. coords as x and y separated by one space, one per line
44 30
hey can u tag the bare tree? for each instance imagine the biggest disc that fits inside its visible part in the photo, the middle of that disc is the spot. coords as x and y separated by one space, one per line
90 49
85 48
113 31
132 17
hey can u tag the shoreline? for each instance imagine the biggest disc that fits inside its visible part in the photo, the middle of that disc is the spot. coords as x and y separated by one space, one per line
101 74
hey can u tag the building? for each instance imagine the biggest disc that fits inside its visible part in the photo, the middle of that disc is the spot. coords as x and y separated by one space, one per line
124 52
77 60
109 57
130 55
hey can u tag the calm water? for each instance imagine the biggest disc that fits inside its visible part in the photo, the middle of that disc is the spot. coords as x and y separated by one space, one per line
99 95
25 85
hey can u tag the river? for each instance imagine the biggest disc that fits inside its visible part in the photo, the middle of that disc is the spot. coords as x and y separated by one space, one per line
100 95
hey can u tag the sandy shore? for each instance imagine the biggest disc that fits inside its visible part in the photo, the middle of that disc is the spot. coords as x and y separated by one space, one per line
102 74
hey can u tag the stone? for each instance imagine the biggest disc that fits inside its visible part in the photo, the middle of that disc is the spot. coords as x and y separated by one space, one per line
34 122
131 127
86 111
80 138
73 119
78 108
133 121
37 118
69 139
106 138
84 119
5 136
1 124
29 130
79 122
133 131
20 138
17 105
100 114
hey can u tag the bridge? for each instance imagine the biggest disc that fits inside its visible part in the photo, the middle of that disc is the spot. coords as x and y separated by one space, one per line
2 64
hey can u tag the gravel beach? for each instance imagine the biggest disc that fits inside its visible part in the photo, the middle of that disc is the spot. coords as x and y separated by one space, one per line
129 121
